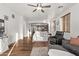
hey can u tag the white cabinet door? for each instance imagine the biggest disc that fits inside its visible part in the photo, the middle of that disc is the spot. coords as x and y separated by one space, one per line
3 45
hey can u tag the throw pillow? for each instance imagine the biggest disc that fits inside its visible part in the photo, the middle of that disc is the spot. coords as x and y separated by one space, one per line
74 41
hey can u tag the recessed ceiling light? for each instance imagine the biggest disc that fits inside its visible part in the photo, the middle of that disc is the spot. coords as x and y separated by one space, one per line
39 8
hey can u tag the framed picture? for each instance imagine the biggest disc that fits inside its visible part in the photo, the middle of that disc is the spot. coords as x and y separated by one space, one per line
2 27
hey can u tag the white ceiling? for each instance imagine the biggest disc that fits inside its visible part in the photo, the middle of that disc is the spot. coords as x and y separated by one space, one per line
25 10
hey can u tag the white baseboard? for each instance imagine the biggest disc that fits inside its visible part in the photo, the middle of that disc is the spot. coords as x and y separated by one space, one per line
4 50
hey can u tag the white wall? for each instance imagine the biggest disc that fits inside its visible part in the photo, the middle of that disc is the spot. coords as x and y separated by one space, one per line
24 29
25 26
12 26
20 27
74 19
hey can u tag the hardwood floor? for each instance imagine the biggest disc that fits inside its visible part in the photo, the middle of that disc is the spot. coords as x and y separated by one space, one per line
22 48
40 44
19 50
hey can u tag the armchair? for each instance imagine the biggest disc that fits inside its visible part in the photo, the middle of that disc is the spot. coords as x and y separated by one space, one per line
57 39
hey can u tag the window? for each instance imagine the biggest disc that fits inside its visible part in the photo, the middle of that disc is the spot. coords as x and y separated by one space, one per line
66 23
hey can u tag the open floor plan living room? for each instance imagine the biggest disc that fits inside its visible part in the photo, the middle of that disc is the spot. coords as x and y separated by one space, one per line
39 29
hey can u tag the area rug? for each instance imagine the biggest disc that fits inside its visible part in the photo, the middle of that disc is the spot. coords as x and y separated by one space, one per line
39 51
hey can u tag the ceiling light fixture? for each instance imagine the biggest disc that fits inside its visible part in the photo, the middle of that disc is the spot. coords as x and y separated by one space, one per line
39 8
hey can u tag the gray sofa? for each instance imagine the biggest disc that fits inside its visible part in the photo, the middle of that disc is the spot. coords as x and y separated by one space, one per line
71 48
58 47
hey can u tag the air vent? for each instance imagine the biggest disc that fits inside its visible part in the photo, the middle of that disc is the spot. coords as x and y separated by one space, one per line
60 6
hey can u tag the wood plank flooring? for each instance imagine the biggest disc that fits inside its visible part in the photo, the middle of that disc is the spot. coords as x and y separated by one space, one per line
20 48
40 44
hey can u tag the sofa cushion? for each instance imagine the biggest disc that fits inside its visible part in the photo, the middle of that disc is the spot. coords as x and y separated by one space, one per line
74 41
71 48
58 47
67 35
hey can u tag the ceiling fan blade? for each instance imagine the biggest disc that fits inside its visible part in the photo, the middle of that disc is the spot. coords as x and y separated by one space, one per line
34 10
31 5
48 6
42 10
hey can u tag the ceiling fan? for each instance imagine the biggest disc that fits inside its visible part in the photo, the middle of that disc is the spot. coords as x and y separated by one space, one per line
39 6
